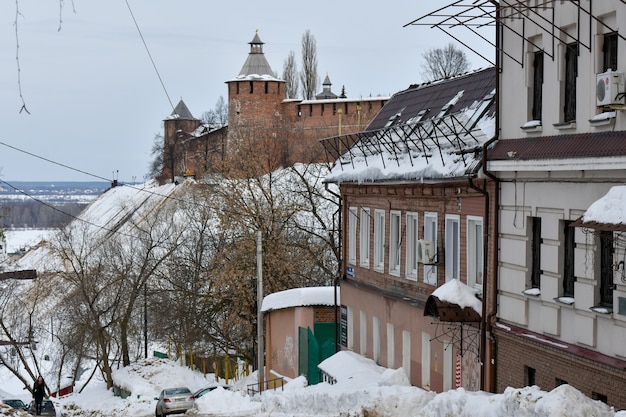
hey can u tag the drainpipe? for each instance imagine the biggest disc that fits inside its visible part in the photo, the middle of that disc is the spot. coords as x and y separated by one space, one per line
339 266
492 294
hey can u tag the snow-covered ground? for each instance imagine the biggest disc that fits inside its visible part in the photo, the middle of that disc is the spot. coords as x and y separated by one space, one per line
362 389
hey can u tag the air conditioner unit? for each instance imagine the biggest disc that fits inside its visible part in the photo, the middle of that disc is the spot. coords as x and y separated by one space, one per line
426 252
609 85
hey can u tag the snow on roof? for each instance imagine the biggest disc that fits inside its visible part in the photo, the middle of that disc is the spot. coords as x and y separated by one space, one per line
300 297
610 209
456 292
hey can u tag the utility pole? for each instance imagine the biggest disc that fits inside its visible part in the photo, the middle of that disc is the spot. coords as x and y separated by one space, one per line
259 324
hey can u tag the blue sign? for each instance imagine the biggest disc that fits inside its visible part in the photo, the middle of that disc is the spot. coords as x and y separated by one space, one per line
350 271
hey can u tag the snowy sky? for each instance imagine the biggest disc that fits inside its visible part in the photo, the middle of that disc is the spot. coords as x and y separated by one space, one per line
96 102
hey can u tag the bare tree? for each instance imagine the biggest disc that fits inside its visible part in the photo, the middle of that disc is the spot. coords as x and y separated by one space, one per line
218 117
308 73
443 62
290 75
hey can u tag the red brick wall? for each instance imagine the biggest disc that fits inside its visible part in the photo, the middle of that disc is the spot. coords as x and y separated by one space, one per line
515 353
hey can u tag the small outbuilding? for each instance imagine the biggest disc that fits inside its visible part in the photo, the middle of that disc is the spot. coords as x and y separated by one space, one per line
300 331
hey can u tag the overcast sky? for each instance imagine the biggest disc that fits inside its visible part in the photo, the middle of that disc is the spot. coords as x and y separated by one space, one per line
96 102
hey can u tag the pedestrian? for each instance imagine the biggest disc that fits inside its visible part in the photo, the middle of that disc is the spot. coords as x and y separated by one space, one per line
39 389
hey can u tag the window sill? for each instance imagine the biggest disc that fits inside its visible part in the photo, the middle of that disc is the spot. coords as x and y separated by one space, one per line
565 300
601 309
603 119
565 126
532 292
532 126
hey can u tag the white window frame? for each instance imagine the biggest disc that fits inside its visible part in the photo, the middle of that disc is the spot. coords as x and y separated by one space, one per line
406 353
425 360
395 241
430 233
475 252
376 339
352 220
453 247
350 328
364 237
390 346
412 228
363 332
379 240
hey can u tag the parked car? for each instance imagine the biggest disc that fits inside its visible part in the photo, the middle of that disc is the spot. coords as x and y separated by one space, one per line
209 388
15 403
47 408
173 401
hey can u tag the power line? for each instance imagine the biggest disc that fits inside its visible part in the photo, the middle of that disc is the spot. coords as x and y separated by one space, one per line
149 54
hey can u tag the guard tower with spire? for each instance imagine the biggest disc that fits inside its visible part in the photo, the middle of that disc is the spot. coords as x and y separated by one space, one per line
255 94
178 127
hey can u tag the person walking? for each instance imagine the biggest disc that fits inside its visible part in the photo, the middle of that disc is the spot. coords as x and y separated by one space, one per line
39 390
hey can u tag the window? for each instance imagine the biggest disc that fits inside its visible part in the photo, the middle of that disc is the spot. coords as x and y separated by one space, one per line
350 328
267 87
609 52
425 360
571 73
568 259
430 233
363 332
376 339
529 377
251 87
379 240
599 397
453 247
537 85
475 259
535 248
390 346
406 352
364 235
411 245
352 218
395 241
448 365
606 269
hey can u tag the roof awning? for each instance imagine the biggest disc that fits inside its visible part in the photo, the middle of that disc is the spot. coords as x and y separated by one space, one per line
449 311
608 213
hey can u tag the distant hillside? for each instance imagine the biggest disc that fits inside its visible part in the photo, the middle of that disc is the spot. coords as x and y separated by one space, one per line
45 204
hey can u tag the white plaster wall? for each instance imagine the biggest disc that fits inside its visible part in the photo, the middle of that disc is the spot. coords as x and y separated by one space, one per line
512 309
517 78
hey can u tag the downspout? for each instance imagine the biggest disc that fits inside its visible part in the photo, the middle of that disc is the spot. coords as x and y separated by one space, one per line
339 266
490 318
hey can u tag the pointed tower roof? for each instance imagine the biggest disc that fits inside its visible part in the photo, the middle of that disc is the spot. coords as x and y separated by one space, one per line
256 66
326 93
181 112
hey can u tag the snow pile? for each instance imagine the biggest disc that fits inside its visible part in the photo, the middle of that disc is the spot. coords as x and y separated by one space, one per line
456 292
610 208
362 389
298 297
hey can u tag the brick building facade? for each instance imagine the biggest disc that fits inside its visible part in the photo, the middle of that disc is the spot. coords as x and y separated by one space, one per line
258 107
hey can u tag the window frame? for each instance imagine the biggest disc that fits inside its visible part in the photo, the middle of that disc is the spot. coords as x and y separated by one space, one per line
475 252
606 249
569 245
610 51
569 85
538 72
453 246
364 237
412 237
352 222
431 233
379 240
395 241
535 252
